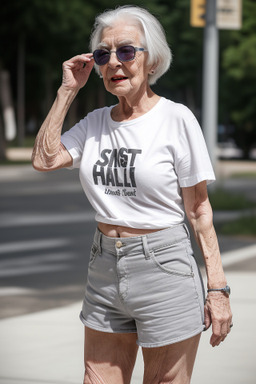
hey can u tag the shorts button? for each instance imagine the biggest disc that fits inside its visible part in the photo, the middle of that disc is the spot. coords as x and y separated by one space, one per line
119 244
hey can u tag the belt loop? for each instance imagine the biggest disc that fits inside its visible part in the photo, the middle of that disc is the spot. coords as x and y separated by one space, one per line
146 248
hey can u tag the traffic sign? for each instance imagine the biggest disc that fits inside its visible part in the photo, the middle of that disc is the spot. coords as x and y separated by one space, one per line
228 13
197 13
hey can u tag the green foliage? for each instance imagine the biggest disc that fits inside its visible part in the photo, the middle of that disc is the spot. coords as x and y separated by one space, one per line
239 83
225 201
55 30
244 226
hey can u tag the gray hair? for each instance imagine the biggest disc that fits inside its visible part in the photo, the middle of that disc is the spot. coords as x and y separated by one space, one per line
154 39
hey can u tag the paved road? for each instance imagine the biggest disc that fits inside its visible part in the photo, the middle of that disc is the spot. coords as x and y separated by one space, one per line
46 227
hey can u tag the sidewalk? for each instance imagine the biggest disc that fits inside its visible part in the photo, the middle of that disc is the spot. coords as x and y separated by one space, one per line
47 347
19 154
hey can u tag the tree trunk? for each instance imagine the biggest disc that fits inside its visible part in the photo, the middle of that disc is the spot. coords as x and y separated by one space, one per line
2 142
7 106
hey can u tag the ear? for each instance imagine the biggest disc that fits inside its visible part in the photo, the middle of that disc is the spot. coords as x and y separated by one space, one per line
152 69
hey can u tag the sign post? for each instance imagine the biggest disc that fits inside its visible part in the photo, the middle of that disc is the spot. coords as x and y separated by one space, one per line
213 15
210 80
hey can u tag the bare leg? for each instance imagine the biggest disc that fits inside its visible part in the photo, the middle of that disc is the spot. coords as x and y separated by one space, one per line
170 364
109 357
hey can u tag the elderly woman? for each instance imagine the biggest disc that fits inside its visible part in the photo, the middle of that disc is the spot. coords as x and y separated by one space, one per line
143 166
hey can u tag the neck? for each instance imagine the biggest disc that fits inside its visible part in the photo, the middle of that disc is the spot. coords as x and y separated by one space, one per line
131 108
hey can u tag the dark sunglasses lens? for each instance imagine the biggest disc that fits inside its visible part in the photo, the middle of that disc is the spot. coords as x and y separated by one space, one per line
126 53
101 56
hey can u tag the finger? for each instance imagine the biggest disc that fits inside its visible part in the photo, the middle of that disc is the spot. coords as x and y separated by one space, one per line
82 57
216 340
78 60
219 333
225 329
207 318
88 62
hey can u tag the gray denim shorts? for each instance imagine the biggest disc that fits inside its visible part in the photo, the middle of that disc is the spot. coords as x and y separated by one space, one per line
150 285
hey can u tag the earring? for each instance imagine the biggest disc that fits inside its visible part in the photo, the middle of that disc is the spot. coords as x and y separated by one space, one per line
152 72
101 77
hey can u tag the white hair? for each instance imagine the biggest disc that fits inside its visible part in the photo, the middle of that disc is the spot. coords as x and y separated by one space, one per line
153 36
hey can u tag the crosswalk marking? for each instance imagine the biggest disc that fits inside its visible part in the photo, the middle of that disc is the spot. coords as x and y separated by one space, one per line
28 245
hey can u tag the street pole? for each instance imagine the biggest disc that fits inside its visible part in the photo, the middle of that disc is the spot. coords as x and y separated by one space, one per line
210 80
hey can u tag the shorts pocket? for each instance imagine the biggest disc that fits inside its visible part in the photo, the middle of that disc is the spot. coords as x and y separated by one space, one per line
173 259
93 254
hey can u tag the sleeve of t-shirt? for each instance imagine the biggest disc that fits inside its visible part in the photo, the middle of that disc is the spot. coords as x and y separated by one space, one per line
73 140
193 164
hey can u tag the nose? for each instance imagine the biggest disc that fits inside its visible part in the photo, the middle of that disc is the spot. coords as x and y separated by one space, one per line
113 60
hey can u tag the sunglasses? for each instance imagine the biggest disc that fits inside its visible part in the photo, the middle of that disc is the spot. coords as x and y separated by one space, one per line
125 53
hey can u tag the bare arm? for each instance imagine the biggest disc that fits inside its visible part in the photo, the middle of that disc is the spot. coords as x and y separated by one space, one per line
199 214
48 153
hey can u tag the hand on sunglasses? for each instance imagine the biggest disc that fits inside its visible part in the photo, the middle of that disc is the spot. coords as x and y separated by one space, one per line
76 71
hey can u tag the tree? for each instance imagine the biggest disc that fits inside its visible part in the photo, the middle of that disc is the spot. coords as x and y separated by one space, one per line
54 30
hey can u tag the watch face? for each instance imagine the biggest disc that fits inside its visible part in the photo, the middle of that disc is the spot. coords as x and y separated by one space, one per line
227 290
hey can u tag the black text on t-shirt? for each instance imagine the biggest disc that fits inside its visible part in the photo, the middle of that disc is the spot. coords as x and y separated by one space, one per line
116 167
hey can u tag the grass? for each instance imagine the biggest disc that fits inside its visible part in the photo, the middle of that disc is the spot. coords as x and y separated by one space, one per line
226 201
7 162
245 226
244 175
29 141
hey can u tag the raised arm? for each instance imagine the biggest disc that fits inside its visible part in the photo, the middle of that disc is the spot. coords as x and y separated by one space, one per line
48 153
217 306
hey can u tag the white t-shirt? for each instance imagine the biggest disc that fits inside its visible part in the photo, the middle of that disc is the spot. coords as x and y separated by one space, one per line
132 171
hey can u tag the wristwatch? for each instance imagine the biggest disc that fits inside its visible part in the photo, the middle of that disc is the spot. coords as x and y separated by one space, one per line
225 290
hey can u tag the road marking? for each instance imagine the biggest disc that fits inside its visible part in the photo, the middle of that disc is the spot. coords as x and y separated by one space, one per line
38 190
27 265
14 291
24 219
35 259
20 246
33 270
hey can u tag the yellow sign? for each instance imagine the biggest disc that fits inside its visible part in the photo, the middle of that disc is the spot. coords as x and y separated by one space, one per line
197 13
